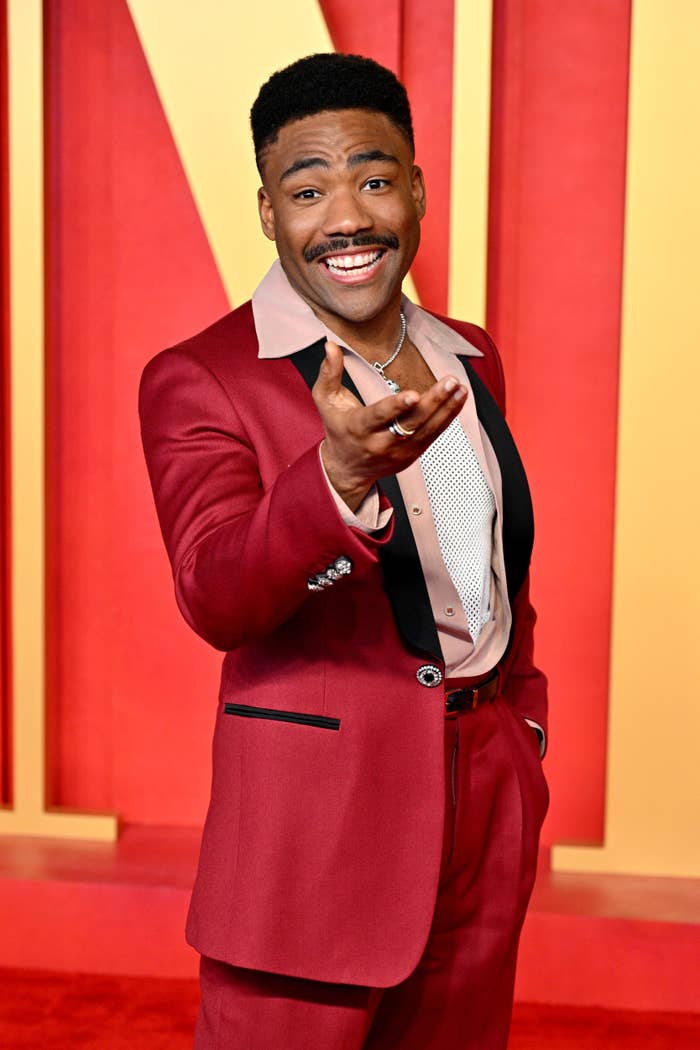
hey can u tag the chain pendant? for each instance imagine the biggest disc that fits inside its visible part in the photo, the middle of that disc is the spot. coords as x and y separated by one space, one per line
394 387
379 366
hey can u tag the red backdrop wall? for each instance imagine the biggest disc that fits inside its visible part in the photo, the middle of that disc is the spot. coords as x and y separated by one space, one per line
560 74
132 690
415 40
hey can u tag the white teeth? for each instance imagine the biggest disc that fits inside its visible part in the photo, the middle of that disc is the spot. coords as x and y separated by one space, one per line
356 263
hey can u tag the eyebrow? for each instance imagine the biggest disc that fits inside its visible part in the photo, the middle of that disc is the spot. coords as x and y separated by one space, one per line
302 164
373 154
354 161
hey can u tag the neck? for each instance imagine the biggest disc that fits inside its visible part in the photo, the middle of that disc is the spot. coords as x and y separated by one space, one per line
374 339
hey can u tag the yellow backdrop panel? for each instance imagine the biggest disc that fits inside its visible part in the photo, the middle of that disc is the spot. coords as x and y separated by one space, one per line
208 61
471 126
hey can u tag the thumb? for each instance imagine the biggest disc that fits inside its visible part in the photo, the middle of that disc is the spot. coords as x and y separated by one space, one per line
331 370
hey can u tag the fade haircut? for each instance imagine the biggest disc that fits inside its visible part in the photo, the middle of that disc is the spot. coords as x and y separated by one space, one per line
327 82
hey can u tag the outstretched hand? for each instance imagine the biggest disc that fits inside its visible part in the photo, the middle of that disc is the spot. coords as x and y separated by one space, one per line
359 448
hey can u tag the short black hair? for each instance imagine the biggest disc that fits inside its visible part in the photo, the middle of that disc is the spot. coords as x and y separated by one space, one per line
325 82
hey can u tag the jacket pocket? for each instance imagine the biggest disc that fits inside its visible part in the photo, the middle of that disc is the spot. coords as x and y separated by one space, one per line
275 715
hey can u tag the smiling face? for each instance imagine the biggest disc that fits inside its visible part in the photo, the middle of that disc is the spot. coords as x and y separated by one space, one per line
343 201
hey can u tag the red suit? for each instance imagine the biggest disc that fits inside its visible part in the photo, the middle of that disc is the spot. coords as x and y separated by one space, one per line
322 846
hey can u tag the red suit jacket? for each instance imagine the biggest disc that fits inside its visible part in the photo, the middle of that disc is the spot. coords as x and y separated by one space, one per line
321 848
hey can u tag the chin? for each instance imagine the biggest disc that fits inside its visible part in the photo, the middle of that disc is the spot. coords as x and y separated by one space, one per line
358 313
360 304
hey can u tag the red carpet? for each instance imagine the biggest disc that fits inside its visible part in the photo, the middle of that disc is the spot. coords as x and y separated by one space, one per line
73 1012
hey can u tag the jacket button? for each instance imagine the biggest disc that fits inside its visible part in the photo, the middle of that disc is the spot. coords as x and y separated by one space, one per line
429 675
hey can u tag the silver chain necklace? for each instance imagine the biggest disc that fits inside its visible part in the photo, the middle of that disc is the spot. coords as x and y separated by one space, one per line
394 387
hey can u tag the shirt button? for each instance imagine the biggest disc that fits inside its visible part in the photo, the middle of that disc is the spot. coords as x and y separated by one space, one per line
416 510
449 610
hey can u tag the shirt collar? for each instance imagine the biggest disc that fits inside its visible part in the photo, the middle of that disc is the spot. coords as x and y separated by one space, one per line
284 323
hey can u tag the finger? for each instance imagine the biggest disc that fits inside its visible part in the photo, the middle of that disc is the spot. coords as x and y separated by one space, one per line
448 391
416 439
441 418
444 403
435 412
415 410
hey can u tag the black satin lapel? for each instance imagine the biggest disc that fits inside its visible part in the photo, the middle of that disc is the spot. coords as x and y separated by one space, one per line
405 583
403 576
518 522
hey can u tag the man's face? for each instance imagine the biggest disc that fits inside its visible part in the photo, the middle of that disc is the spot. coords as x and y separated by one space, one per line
343 201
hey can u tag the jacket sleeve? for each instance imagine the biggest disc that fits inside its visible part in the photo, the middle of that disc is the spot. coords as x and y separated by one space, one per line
241 552
524 685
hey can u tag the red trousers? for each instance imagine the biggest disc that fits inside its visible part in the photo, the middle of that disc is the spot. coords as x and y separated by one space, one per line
460 995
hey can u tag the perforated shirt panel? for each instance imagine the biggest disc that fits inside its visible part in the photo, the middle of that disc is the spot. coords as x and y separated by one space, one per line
463 509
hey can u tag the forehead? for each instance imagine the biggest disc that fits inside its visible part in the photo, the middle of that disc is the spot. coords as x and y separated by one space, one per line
336 135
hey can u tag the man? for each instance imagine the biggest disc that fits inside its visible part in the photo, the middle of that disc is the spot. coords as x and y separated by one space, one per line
348 519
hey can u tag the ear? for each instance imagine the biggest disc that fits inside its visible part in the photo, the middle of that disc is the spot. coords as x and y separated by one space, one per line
418 190
267 213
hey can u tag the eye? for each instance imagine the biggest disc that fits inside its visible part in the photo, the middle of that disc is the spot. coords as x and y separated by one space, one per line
376 183
306 195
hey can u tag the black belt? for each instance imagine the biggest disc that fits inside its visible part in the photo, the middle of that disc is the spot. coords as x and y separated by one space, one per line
466 698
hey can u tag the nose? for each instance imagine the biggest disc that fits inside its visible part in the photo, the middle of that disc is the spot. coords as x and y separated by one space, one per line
346 214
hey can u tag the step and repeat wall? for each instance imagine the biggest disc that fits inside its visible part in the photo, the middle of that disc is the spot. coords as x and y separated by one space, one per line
562 169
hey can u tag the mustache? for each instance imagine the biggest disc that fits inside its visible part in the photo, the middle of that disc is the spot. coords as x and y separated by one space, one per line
339 244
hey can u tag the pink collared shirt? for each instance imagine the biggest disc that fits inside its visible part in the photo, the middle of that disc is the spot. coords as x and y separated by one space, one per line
284 324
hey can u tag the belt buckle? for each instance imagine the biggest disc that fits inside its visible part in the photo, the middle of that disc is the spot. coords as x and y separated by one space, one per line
461 700
467 698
